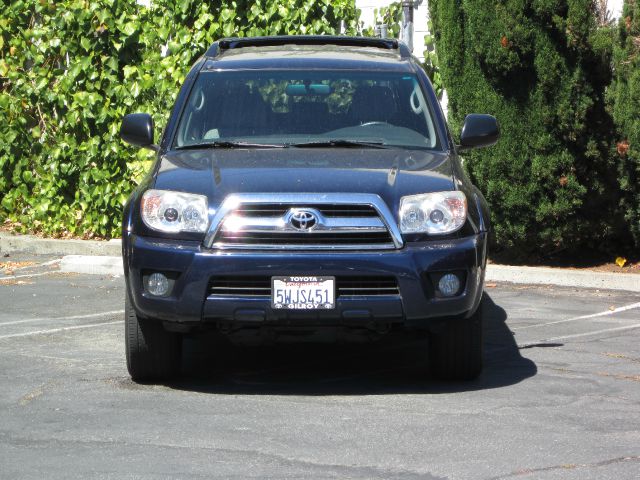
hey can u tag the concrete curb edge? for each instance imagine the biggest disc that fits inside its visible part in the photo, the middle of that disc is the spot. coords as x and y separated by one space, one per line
92 264
53 246
563 277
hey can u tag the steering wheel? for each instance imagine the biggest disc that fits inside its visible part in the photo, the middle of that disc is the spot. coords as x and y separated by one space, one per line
373 124
200 101
413 100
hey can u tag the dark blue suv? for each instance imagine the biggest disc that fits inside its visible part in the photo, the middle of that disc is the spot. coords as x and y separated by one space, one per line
305 189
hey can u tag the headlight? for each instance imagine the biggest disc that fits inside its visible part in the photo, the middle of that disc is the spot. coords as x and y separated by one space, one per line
434 213
168 211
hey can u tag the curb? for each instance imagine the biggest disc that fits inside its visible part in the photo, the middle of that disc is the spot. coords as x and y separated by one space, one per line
52 246
563 277
104 258
92 264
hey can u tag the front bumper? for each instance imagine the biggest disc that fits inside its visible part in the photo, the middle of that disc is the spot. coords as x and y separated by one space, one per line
193 267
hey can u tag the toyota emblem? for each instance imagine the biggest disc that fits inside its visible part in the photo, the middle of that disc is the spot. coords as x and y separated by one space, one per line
303 219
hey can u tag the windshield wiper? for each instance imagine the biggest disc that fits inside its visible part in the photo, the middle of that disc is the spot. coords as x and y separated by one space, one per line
339 143
229 144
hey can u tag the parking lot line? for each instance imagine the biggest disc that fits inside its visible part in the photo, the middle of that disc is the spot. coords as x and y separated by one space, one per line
27 275
53 319
56 330
578 335
582 317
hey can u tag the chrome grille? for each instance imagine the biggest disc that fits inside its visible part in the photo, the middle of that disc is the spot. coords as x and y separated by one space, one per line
260 286
270 222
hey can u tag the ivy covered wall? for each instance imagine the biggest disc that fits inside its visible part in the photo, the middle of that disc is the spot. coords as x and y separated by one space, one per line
70 70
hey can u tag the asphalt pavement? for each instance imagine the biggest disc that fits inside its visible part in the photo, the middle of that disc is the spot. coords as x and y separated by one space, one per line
559 397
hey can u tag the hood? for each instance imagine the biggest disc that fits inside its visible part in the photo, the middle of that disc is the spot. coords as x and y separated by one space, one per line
390 173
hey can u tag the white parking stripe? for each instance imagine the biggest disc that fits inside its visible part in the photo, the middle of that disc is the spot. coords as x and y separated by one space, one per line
594 315
27 275
55 330
37 265
54 319
578 335
50 262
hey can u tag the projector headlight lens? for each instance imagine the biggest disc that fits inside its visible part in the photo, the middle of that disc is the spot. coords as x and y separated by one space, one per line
433 213
171 212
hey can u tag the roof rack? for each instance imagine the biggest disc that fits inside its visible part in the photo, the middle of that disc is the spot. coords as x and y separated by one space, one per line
234 43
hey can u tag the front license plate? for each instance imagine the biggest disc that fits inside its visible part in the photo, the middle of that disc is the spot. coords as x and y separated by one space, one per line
303 293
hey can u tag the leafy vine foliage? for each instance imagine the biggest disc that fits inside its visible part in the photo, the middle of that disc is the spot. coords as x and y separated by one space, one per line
431 63
70 70
391 16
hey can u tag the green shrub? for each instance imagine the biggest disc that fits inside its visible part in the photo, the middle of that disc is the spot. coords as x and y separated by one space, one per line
70 70
541 68
431 63
624 96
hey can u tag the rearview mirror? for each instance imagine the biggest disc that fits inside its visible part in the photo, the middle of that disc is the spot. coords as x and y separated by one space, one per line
479 130
299 89
137 130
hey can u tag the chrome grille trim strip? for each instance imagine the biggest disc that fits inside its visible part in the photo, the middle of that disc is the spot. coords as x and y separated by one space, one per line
385 220
279 224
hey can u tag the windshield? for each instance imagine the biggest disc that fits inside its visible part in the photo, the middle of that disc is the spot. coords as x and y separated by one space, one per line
304 107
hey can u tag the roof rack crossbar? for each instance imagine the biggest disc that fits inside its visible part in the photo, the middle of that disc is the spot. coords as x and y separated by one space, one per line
234 43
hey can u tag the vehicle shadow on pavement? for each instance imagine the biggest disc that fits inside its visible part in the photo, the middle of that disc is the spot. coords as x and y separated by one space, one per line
395 365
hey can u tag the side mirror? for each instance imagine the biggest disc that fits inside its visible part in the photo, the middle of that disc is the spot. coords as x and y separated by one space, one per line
137 129
479 130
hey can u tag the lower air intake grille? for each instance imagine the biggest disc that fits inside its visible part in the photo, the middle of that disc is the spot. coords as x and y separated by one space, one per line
240 286
260 286
284 239
359 286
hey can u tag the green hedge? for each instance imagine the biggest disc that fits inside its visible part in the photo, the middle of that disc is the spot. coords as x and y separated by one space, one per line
625 100
70 70
542 68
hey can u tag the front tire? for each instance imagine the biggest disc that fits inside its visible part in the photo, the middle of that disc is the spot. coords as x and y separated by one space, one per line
152 352
456 352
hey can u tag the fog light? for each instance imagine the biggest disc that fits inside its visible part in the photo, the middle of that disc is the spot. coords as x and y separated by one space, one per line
157 284
449 285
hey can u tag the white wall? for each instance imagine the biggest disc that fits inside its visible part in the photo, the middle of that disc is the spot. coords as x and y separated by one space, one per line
615 6
420 29
420 18
367 7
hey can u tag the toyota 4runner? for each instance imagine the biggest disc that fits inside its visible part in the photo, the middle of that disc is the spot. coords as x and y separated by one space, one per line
305 189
